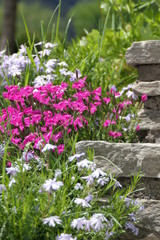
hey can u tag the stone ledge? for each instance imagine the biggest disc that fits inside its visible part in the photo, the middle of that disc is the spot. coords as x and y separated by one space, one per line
149 222
153 103
143 52
150 88
150 119
147 188
125 159
148 73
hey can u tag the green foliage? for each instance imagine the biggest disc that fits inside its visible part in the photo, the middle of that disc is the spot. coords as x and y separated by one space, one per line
85 16
101 53
33 14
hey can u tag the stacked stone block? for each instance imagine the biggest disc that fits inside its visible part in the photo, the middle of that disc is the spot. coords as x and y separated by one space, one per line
145 56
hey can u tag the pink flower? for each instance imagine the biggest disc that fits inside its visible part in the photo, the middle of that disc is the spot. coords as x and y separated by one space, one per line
93 108
78 122
97 91
137 128
115 134
106 100
8 164
79 84
60 148
108 122
15 140
144 98
57 136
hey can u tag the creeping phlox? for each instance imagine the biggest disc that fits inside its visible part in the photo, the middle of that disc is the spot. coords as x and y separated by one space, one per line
44 67
87 222
66 192
45 114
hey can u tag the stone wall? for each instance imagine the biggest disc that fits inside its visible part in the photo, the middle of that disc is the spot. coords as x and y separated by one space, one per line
145 56
125 159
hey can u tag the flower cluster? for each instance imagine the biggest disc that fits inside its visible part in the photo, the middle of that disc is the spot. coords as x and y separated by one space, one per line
43 114
80 183
43 69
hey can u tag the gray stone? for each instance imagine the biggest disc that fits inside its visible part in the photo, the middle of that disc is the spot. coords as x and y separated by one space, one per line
149 120
148 136
143 52
125 159
149 222
149 188
148 72
153 103
150 88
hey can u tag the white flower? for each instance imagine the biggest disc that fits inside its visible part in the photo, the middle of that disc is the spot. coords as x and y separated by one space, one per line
39 81
87 225
50 45
52 221
63 71
128 117
97 173
39 44
117 184
89 179
49 70
44 52
26 156
58 173
78 223
48 147
89 198
78 186
50 185
85 164
2 187
82 202
131 94
51 63
22 49
12 182
64 64
102 181
26 167
64 236
75 156
96 222
12 170
14 71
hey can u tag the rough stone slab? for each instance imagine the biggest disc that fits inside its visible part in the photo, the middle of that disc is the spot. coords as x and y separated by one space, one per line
148 72
125 159
150 187
148 136
149 222
150 88
153 103
149 119
143 52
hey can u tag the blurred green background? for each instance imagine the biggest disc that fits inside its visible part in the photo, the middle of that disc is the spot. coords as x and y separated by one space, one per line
85 15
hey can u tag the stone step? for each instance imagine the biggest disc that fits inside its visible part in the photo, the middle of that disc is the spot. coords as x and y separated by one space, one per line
125 159
143 53
149 222
149 119
150 88
147 188
148 72
152 103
